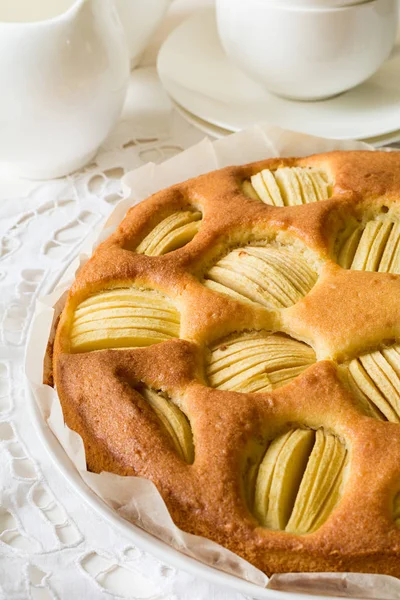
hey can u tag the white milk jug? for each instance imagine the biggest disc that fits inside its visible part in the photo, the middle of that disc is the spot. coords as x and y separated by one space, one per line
64 71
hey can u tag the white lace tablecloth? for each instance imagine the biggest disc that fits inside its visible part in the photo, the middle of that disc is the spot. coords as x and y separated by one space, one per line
51 544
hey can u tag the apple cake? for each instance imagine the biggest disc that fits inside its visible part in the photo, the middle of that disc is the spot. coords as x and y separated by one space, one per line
237 341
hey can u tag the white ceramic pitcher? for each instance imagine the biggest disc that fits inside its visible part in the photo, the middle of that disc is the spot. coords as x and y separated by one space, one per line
64 71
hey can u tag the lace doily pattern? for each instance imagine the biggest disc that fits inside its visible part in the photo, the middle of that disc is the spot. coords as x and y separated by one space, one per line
51 544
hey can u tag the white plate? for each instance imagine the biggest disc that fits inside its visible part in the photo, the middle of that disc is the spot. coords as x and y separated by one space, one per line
205 126
197 74
382 140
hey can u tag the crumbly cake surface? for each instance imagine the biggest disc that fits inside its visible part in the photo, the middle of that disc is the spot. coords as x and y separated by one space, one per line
237 341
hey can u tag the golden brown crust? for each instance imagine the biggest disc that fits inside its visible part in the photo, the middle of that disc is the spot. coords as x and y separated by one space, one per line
345 314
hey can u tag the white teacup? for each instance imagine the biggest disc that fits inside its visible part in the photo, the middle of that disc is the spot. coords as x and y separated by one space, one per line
64 69
308 49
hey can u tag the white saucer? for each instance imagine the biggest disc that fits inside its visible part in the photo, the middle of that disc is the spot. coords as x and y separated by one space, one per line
197 75
219 132
380 141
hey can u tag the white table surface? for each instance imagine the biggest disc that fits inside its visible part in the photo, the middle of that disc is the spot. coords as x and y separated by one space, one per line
51 544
